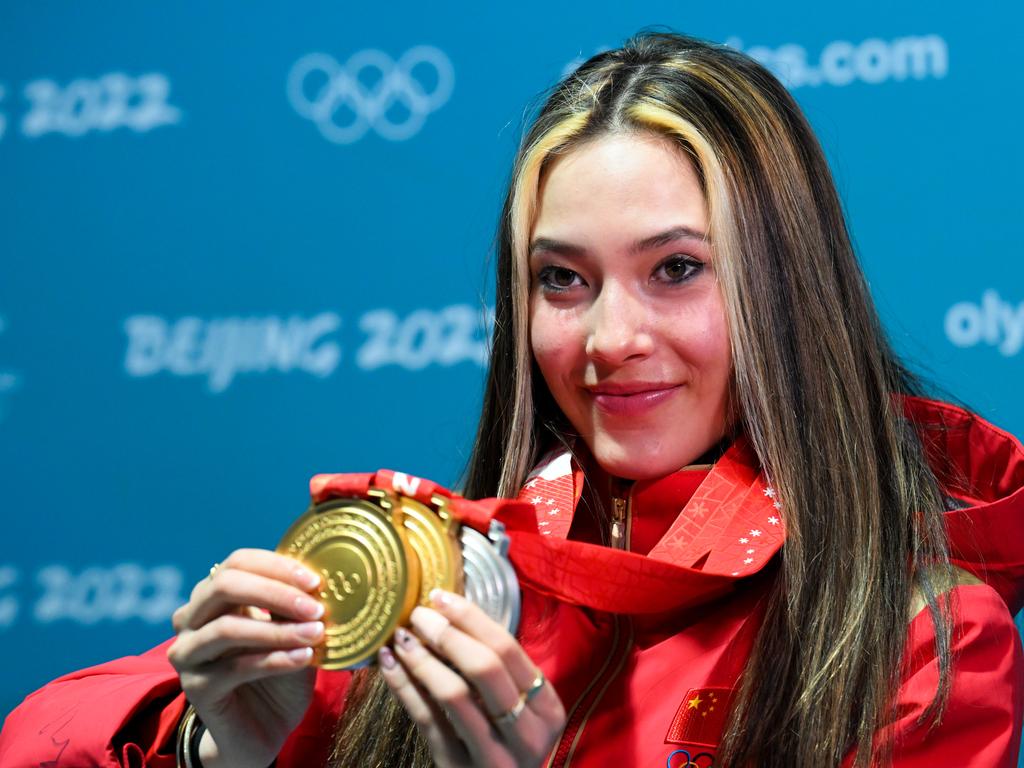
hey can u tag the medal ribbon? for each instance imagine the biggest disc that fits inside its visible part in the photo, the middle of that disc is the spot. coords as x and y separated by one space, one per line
737 540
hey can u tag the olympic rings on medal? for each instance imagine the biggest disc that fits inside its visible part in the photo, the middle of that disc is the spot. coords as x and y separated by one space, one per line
324 91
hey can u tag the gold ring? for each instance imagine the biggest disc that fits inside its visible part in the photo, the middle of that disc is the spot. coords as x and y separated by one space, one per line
510 717
535 686
213 570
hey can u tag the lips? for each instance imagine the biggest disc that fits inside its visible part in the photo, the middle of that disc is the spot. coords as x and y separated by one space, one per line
632 399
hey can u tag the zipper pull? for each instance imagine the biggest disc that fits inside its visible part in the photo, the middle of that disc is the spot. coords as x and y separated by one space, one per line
618 523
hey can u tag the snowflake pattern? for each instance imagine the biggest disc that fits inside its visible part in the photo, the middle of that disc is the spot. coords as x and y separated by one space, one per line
777 504
773 520
769 492
744 540
550 502
750 551
536 500
748 561
553 511
755 532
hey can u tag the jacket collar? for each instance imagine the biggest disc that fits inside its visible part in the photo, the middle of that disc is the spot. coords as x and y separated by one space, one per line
734 523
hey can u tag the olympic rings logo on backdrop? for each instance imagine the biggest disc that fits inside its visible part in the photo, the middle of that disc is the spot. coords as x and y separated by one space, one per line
371 91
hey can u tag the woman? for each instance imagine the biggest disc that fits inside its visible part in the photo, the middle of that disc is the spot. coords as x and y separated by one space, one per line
687 358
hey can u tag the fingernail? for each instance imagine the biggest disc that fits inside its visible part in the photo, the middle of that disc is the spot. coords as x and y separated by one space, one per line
429 623
309 607
300 654
310 630
307 578
405 638
440 598
387 658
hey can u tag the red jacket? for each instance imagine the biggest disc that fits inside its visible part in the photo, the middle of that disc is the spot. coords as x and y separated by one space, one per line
649 642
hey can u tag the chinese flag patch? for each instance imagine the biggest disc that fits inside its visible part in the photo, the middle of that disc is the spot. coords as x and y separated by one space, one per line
701 717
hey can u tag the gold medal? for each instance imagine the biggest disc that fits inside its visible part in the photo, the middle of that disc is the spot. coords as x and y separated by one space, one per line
370 576
433 536
381 555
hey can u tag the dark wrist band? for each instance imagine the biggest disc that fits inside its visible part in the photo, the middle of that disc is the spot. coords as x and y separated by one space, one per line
193 743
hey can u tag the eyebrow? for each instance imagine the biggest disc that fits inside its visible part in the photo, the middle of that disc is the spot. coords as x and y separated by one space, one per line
638 246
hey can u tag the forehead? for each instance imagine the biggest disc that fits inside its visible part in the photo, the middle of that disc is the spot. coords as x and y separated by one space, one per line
617 186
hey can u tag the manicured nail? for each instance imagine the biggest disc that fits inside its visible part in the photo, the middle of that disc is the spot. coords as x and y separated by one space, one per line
429 623
405 638
309 607
300 654
387 658
441 599
310 630
307 578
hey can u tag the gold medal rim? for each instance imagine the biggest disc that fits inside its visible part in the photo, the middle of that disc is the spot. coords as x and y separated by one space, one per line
442 540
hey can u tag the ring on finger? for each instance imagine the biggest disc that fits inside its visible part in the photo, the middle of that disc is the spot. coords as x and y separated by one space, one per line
509 718
538 682
213 570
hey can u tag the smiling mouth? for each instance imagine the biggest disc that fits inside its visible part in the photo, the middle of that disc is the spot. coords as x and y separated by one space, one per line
631 399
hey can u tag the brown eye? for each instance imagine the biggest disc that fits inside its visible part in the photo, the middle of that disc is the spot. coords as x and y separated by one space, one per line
558 278
676 269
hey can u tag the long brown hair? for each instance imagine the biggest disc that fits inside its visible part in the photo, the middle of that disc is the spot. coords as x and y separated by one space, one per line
816 388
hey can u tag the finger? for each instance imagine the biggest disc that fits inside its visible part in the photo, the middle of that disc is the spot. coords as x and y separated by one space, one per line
471 619
431 721
453 694
475 661
259 561
231 588
214 680
232 633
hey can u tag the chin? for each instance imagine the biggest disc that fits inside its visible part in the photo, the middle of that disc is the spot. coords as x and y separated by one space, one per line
636 467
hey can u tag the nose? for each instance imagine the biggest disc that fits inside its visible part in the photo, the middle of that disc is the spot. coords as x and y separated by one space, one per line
618 326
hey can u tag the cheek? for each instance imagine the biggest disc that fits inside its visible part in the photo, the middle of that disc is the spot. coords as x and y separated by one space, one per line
553 341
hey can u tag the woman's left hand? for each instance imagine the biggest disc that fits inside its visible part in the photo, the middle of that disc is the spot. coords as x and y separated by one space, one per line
471 689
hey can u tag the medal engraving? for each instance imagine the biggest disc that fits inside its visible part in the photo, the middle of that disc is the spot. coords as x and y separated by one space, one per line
369 577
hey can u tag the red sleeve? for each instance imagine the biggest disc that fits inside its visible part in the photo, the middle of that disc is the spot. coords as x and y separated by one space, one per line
122 713
126 712
981 726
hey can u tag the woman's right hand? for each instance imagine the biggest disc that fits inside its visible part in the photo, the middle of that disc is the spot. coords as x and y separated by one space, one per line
248 677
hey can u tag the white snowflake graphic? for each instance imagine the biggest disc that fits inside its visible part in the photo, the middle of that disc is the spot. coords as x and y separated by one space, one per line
536 500
755 532
748 561
744 540
543 523
769 492
553 511
777 504
549 502
750 551
773 520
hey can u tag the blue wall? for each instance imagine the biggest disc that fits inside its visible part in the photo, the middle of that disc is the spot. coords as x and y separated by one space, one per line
218 276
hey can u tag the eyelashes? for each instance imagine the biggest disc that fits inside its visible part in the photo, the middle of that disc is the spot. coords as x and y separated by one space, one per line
674 270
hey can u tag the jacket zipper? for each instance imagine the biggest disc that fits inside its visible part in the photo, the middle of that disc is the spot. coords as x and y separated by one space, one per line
618 655
620 520
622 641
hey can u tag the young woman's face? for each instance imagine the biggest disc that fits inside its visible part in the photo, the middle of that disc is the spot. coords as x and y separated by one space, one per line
627 323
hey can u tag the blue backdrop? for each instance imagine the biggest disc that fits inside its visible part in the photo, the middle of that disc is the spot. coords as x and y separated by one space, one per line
242 243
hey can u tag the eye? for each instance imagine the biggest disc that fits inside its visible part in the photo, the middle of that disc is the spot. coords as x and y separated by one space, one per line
558 278
679 268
